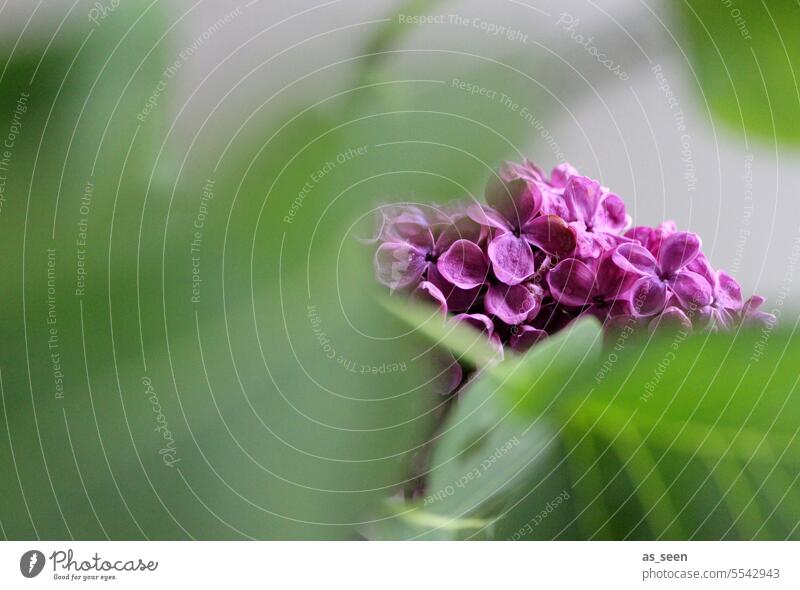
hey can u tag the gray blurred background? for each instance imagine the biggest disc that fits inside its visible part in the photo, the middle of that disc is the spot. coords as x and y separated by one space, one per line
739 192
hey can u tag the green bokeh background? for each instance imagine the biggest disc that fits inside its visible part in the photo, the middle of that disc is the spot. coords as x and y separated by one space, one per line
274 438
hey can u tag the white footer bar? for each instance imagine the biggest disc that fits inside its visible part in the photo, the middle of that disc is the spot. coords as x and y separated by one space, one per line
404 566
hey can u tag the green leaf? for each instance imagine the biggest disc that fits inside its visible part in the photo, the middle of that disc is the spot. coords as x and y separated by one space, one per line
465 342
404 521
390 33
745 58
686 438
677 437
486 454
275 437
550 370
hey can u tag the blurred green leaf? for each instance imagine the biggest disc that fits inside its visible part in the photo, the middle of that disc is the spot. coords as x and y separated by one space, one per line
683 437
745 57
390 33
276 438
486 454
467 344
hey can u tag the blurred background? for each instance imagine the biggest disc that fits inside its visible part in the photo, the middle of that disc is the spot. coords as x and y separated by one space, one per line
193 346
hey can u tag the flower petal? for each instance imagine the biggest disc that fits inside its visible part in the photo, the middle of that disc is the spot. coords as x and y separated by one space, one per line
642 234
398 265
450 372
479 321
648 296
651 237
752 304
551 234
553 203
524 337
457 228
561 174
512 258
430 293
691 289
487 216
671 319
484 325
702 266
677 251
582 195
516 200
511 304
611 215
592 244
619 329
722 319
667 228
634 258
572 282
457 299
463 264
370 229
618 307
527 170
752 316
539 294
760 319
728 292
612 281
417 234
403 213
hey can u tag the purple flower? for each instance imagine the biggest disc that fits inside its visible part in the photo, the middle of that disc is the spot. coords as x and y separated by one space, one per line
513 213
671 319
651 237
524 337
752 316
597 217
726 296
553 317
483 324
598 285
430 293
402 262
457 299
450 375
479 321
463 264
513 304
544 252
666 276
561 175
412 246
527 171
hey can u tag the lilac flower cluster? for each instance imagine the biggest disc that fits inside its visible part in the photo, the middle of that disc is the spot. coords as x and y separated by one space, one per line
544 251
